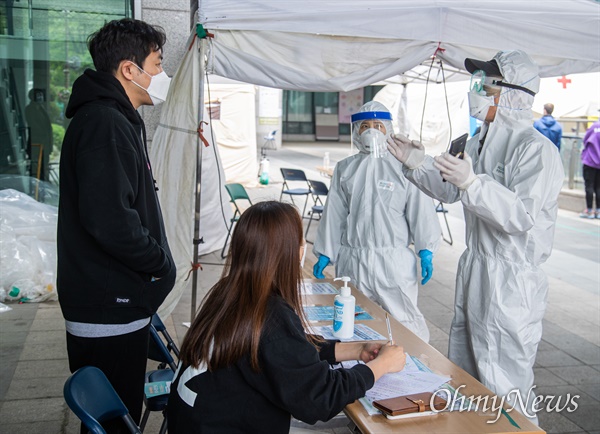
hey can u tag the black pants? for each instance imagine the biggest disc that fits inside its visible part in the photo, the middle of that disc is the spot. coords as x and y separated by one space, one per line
591 178
123 360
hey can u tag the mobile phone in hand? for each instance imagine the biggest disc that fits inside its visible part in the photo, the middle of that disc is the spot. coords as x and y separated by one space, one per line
457 147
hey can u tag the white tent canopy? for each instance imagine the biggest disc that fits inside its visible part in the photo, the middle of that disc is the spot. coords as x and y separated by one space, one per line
319 45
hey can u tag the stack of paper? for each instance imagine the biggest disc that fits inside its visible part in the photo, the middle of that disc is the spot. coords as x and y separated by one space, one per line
308 288
325 313
414 378
361 333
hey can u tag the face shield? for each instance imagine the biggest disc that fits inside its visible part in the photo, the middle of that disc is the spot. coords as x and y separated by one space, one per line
370 131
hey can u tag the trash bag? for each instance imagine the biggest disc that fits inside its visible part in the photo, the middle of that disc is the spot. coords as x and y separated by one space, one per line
27 248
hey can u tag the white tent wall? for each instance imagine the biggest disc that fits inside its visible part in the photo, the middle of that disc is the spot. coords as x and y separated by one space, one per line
578 98
235 130
317 45
436 125
173 154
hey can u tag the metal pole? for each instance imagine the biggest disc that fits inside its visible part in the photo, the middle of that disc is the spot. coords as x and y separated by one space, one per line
199 145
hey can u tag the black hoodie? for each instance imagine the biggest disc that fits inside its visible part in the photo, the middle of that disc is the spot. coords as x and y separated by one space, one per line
111 237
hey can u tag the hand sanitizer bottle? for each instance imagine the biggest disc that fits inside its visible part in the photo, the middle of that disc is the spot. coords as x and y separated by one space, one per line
326 160
343 311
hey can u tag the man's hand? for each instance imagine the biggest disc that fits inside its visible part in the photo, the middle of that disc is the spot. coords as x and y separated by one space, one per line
409 152
456 171
320 266
426 265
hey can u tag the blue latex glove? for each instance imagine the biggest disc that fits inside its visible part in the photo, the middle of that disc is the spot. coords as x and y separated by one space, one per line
320 266
426 265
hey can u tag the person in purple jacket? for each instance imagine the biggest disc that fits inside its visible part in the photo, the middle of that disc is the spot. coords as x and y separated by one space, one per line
590 157
548 126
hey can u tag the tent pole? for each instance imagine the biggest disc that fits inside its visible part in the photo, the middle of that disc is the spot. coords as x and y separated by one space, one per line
199 145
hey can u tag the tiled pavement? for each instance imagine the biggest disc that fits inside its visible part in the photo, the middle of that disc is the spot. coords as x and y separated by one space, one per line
33 365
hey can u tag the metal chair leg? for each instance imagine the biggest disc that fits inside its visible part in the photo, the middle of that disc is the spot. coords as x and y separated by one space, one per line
307 228
223 255
304 209
444 211
163 426
144 419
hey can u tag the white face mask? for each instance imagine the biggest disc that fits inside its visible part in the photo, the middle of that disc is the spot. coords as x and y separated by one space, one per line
373 141
158 88
479 105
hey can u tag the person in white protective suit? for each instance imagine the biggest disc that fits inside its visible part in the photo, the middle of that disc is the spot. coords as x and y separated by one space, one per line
508 183
371 216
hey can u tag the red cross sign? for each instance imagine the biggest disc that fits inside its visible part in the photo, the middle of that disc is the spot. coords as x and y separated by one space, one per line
564 81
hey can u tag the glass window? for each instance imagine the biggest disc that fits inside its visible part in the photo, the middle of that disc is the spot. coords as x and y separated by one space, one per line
46 50
370 92
326 103
298 112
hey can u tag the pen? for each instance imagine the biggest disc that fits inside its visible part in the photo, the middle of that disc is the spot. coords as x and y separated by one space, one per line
387 321
359 313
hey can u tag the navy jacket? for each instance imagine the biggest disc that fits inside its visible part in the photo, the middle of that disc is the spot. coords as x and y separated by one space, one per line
111 238
548 126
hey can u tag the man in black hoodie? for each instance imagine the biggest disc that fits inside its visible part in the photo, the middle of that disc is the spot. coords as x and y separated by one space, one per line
114 264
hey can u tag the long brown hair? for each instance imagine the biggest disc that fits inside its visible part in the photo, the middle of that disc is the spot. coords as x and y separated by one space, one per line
264 259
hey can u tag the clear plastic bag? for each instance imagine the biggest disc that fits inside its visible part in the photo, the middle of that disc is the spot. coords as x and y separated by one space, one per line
27 248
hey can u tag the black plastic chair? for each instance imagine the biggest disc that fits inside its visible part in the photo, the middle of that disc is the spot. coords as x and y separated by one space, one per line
299 178
439 208
236 192
93 399
318 190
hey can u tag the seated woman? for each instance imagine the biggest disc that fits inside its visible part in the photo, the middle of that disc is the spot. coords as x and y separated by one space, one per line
246 363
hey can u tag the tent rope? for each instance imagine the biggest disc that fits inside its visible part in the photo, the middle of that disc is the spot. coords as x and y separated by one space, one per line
194 268
200 130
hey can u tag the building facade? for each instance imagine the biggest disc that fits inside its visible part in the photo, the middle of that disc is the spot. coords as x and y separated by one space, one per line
43 50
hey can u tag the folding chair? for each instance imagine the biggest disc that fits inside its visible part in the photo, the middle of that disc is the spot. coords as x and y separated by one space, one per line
317 190
236 192
297 176
93 399
269 144
440 209
159 351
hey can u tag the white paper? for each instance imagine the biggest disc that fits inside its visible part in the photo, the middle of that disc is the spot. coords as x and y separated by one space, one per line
308 288
414 378
361 333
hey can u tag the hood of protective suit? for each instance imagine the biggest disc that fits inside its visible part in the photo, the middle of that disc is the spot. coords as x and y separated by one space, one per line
516 68
372 106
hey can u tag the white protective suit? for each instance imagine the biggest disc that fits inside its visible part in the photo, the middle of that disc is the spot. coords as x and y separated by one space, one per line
371 216
510 212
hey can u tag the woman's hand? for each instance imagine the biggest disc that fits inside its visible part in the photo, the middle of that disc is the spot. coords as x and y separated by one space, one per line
369 351
390 358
